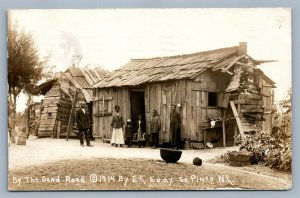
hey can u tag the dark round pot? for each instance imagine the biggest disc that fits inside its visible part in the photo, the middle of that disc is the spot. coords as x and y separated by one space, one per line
170 155
197 161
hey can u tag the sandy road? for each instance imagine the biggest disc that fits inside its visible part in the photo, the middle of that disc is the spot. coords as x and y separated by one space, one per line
45 150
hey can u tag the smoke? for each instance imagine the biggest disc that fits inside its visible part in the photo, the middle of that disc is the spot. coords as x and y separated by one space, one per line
72 52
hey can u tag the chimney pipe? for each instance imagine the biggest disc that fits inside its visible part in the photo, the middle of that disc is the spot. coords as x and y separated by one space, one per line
242 48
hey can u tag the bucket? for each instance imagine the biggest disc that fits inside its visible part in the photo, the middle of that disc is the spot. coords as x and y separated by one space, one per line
239 158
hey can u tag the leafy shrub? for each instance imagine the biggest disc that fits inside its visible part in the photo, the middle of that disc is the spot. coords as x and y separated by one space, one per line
275 149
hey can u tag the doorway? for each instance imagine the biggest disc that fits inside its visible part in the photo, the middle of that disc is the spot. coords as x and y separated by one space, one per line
137 106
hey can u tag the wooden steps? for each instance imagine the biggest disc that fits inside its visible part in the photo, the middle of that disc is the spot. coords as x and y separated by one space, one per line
250 97
248 113
252 110
249 102
238 121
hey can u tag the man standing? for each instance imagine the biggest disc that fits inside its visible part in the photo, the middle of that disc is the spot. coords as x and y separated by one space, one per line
82 119
154 128
175 127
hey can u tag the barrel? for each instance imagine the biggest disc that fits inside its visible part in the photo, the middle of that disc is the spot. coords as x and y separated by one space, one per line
239 158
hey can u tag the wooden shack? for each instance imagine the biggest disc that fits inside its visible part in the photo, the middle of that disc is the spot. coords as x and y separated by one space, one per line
202 85
63 95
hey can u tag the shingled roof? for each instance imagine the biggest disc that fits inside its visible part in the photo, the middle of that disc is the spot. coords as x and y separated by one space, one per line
188 66
86 77
80 78
83 79
141 71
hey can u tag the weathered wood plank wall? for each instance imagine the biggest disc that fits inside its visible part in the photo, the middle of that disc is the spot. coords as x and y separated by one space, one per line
49 112
192 95
119 96
267 104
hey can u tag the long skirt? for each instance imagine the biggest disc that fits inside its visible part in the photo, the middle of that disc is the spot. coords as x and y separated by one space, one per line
117 136
175 134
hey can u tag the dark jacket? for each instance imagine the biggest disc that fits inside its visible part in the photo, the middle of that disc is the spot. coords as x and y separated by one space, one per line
155 124
143 126
117 121
128 131
175 118
82 119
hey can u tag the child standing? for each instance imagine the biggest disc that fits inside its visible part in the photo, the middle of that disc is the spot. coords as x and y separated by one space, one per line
128 133
141 131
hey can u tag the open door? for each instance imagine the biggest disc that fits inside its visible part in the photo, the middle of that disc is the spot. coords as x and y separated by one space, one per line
137 105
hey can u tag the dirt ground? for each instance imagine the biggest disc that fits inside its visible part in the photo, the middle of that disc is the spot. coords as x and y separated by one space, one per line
51 164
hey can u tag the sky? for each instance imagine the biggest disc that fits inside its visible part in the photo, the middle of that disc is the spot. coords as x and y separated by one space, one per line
111 37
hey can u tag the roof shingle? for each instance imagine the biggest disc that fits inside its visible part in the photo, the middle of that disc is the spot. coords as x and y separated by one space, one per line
141 71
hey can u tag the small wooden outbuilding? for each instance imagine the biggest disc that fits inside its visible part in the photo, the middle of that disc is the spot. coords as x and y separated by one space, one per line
203 85
63 94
